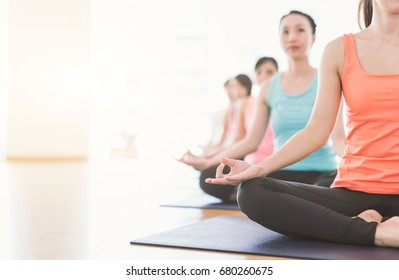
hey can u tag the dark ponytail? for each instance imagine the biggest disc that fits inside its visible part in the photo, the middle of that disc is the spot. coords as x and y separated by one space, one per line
366 10
245 81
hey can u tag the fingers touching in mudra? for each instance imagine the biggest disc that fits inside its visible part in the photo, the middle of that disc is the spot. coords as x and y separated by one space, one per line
239 171
197 162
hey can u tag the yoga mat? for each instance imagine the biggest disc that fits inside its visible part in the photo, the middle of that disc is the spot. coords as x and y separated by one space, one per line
241 235
202 201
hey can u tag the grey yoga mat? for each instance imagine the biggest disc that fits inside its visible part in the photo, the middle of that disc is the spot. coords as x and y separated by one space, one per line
241 235
202 201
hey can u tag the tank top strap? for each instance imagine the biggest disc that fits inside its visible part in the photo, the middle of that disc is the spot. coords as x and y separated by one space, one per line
350 53
273 92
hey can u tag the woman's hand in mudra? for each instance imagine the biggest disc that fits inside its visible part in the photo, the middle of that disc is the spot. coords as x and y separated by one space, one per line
197 162
240 171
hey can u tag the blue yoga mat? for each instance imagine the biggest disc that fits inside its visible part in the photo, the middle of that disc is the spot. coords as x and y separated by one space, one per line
202 201
241 235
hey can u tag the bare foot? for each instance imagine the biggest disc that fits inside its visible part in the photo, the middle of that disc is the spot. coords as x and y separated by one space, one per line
370 216
387 233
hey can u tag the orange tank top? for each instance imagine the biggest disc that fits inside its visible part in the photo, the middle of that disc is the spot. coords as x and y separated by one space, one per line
371 159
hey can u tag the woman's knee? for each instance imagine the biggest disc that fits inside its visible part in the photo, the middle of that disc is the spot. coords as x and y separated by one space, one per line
204 175
207 173
254 186
255 193
208 188
247 193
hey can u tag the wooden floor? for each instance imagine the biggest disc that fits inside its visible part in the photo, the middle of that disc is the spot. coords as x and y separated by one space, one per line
92 209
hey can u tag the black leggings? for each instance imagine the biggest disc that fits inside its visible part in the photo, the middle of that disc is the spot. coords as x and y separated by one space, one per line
308 211
225 192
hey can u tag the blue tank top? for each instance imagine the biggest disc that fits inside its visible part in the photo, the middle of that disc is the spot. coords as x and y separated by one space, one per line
289 114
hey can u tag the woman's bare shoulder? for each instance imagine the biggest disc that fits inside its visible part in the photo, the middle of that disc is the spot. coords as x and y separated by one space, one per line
334 54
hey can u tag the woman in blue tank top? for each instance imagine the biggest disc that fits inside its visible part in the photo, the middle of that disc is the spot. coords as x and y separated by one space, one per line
287 99
290 113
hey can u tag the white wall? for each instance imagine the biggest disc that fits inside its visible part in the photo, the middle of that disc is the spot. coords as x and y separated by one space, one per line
167 60
158 67
109 55
3 72
49 71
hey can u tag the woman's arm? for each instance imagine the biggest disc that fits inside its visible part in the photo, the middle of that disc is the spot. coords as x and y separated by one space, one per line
240 120
309 139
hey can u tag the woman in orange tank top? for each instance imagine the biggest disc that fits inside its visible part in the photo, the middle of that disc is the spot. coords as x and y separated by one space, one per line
362 205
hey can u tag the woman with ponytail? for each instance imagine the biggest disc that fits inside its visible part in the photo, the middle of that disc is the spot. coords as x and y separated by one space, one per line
362 205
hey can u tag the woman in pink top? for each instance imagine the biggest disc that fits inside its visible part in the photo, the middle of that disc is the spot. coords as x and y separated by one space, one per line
362 206
235 130
234 121
226 123
265 68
